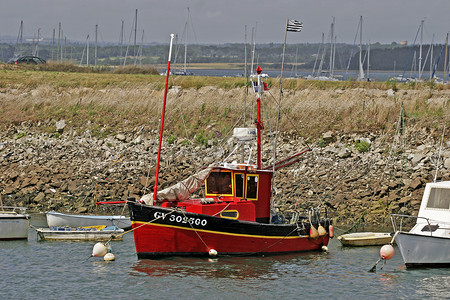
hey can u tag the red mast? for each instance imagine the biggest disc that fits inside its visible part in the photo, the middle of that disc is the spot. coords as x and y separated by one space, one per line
155 190
259 124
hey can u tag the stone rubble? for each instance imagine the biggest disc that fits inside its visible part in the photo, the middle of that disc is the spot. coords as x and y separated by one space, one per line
72 171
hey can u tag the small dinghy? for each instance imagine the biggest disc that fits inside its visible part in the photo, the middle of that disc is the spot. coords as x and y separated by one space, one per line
90 233
359 239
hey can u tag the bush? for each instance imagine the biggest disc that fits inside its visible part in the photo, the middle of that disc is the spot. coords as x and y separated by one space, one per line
200 139
362 146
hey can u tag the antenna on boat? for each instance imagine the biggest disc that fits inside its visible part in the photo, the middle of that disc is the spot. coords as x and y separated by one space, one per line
439 155
162 118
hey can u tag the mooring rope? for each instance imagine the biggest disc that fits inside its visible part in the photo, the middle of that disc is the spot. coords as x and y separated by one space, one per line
151 221
195 231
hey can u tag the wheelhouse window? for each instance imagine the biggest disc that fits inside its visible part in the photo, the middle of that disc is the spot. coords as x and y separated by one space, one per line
439 198
239 185
252 187
219 183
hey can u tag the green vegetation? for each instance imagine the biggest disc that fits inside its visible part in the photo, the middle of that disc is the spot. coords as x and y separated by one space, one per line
20 135
171 139
362 146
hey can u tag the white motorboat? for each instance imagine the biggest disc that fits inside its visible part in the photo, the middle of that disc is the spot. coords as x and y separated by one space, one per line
427 244
14 223
90 233
358 239
56 219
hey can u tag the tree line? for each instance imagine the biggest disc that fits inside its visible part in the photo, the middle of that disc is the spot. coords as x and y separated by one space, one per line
303 56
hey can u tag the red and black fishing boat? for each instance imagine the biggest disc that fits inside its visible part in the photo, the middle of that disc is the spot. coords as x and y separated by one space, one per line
233 218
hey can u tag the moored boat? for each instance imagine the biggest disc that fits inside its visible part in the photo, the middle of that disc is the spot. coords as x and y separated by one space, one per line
14 223
234 217
92 233
427 243
56 219
358 239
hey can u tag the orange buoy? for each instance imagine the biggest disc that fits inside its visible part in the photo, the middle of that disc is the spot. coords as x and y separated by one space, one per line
387 252
321 230
313 233
331 231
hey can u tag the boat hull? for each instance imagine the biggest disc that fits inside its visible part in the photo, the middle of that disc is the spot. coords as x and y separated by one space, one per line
423 251
361 239
78 235
165 232
60 220
14 226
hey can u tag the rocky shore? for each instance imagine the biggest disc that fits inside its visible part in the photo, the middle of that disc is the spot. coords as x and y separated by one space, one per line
359 177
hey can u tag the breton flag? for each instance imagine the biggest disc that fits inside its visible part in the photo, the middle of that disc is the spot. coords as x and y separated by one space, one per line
294 26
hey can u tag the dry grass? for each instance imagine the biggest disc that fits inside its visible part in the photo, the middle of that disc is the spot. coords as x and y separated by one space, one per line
107 103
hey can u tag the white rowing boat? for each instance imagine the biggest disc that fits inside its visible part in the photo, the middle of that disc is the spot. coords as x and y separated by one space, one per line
56 219
92 233
359 239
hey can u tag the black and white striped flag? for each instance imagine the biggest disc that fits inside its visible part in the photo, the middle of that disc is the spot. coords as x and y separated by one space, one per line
294 26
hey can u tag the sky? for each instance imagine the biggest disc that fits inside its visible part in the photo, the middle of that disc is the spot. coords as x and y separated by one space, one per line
227 21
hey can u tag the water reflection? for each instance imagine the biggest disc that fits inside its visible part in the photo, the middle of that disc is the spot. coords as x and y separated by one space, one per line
267 267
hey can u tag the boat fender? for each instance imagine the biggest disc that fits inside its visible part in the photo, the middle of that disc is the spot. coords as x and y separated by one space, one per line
321 230
387 252
99 250
324 248
212 252
313 233
330 231
109 257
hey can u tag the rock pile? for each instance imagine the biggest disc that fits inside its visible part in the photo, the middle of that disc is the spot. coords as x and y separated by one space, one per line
71 171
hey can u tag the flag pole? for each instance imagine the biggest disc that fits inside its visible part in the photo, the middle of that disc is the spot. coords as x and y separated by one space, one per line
282 60
278 117
155 189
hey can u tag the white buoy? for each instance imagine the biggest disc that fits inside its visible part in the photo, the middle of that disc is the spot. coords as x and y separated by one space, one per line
212 252
325 248
99 250
109 257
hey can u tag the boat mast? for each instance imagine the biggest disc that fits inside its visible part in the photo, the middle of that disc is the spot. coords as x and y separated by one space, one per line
368 61
361 71
185 40
445 60
431 58
18 48
121 42
95 49
253 47
331 48
420 50
155 190
135 32
87 51
258 123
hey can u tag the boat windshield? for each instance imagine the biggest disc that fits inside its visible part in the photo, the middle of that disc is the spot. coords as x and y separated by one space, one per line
439 198
219 183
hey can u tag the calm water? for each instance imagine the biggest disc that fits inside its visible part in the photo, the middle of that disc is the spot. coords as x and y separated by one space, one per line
60 270
375 75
